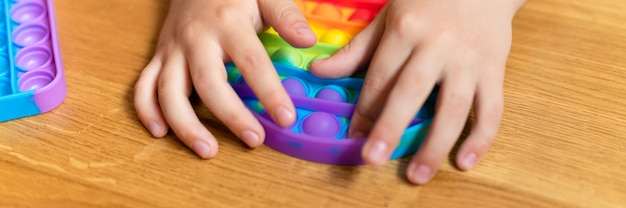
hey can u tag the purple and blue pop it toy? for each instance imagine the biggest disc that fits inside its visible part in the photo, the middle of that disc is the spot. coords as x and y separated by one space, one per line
324 107
31 72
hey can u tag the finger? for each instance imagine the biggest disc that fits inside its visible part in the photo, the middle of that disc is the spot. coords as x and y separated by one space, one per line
256 68
353 56
209 78
288 21
488 108
453 105
389 58
146 100
413 86
174 90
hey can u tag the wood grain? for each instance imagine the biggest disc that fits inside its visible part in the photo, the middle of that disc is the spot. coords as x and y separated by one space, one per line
561 144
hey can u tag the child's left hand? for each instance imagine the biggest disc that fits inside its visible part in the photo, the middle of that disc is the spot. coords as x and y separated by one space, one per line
413 45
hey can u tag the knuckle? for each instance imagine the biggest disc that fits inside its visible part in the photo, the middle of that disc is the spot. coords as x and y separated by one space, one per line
272 97
457 104
235 119
489 118
493 113
201 82
163 87
489 135
374 85
485 137
366 112
139 88
188 35
166 88
228 13
448 36
472 53
406 25
247 62
288 13
188 134
409 88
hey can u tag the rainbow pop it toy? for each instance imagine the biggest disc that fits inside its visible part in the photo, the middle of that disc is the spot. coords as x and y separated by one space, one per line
31 73
323 106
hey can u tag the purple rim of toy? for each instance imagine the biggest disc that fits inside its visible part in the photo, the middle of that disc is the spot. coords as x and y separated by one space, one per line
33 57
338 151
52 95
330 151
27 11
34 80
30 34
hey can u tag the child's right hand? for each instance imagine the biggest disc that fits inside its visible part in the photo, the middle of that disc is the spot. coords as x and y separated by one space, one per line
198 37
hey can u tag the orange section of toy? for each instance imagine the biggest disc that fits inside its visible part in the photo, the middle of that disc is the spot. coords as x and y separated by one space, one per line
336 22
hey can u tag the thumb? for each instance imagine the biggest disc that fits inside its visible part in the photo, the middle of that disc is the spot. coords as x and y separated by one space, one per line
285 17
355 55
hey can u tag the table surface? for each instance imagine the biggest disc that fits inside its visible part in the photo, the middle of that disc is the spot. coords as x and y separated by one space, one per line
561 143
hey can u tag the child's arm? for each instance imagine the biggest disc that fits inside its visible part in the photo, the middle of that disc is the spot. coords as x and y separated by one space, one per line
198 37
413 45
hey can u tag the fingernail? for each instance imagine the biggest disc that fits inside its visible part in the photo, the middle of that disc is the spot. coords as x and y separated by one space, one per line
470 161
201 148
154 128
304 30
284 116
250 138
377 153
422 174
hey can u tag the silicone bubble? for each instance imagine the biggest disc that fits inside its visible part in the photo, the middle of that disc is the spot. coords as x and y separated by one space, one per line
327 10
321 124
336 37
320 57
295 86
287 55
362 15
34 80
333 93
318 29
30 34
26 11
33 57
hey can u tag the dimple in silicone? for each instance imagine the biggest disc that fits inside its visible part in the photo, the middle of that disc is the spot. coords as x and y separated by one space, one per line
324 107
32 80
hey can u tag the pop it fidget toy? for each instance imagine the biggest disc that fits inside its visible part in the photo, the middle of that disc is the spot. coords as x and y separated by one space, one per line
323 106
31 73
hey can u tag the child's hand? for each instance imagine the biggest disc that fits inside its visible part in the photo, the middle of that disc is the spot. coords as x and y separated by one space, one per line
198 37
413 45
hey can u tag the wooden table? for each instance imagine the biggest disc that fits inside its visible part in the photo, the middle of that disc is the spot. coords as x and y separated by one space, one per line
562 141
